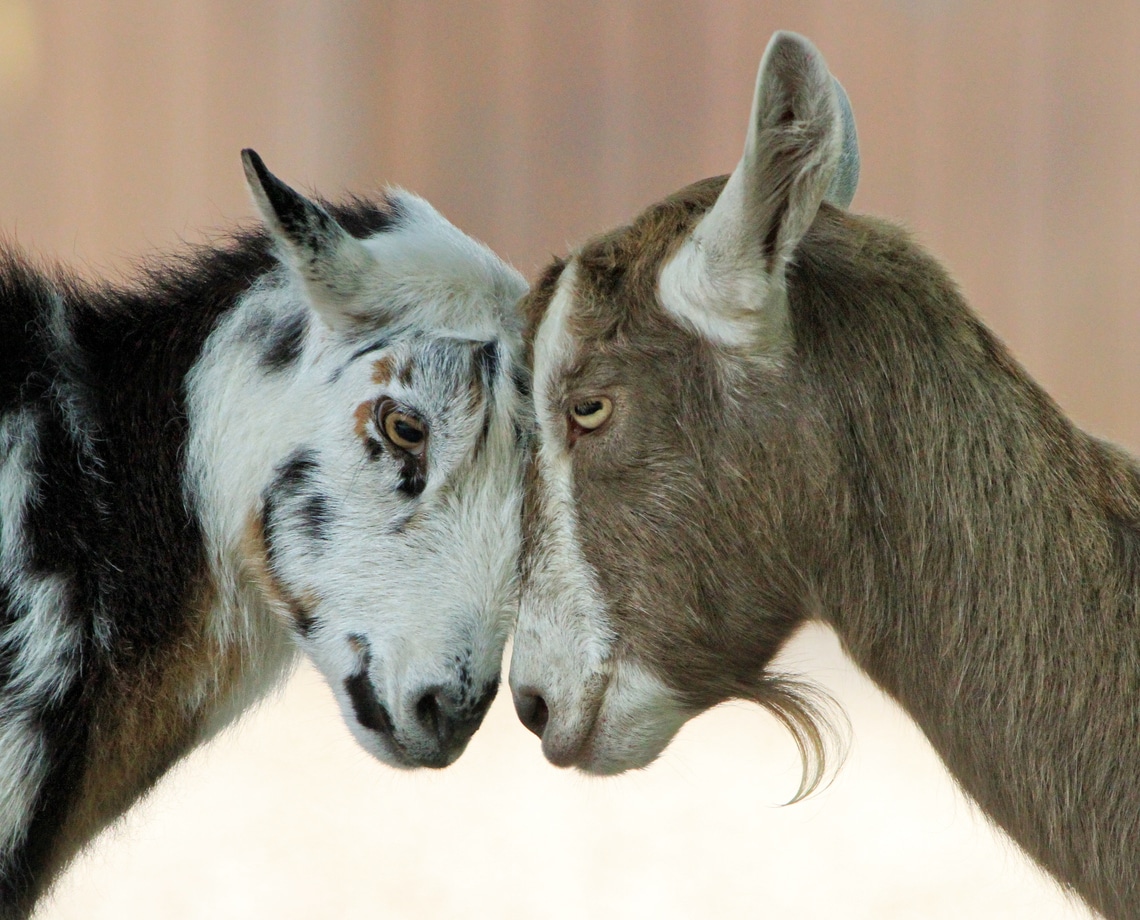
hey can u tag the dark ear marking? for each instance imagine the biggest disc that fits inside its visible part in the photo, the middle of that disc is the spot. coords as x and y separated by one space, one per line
304 222
330 263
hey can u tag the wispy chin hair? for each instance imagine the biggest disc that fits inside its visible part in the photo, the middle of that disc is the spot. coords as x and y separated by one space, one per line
817 723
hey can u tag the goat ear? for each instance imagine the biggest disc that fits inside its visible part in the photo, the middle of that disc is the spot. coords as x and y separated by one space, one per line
733 266
794 143
841 191
330 262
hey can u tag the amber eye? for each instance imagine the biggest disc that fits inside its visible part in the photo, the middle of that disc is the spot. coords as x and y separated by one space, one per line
403 429
592 413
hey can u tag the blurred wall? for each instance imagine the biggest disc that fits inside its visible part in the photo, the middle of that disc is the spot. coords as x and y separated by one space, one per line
1004 134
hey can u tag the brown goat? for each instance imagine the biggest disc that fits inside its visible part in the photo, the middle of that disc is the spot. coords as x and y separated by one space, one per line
756 409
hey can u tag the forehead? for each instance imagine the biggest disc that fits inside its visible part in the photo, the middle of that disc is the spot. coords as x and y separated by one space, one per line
414 361
433 277
611 282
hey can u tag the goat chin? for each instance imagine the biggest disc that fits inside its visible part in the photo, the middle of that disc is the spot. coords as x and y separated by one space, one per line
624 727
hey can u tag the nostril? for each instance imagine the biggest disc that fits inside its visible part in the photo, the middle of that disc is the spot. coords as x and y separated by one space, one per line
541 716
533 711
430 717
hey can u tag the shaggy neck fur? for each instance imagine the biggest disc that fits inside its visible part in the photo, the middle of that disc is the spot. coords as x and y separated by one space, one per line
896 474
128 634
982 555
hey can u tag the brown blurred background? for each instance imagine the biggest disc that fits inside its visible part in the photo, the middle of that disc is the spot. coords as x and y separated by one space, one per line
1005 134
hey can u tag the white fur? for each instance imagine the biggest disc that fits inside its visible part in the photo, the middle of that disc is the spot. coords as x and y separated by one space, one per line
639 716
22 764
42 667
421 598
706 286
562 649
446 281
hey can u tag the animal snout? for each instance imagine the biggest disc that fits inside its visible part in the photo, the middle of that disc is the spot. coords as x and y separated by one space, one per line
447 717
532 710
565 732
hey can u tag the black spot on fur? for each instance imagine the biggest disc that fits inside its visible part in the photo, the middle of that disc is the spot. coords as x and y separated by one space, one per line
413 479
489 361
375 449
285 343
413 475
375 345
293 496
305 624
366 705
297 472
316 515
521 379
110 519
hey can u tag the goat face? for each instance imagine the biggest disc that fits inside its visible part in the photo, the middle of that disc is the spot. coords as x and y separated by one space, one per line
659 571
356 443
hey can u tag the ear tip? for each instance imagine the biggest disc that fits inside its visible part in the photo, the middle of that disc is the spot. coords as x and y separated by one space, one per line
254 165
788 41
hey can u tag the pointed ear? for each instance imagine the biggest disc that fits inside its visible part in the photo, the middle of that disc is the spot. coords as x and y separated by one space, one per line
795 139
330 262
732 268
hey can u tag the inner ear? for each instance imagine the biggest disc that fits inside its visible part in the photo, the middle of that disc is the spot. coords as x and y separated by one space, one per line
793 147
727 280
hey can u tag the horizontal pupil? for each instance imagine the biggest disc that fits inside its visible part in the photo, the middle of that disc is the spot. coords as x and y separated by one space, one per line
588 408
407 431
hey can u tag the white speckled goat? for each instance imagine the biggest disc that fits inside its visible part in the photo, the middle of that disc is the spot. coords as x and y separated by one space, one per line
306 437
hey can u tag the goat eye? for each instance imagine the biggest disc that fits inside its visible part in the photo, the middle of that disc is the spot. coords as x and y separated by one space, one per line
592 413
402 429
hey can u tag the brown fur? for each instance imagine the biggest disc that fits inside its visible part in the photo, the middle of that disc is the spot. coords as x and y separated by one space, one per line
144 724
297 609
363 416
897 474
382 371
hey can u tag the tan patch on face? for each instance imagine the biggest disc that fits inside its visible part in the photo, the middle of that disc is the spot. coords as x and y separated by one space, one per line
405 375
382 370
297 608
363 416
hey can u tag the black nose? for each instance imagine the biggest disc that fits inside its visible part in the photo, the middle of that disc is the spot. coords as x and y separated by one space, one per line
452 719
533 711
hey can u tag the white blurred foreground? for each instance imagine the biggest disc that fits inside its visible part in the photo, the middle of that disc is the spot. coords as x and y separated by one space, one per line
284 817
